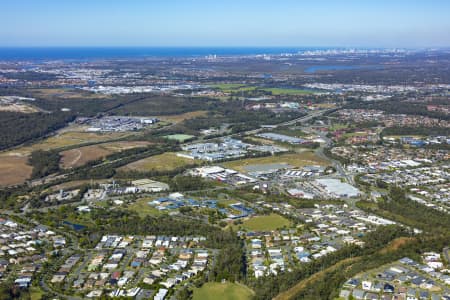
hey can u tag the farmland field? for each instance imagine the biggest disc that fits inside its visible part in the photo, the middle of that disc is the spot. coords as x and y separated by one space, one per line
302 159
266 223
79 156
222 291
162 162
14 169
67 94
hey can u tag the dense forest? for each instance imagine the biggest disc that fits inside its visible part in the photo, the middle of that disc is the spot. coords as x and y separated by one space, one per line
18 128
239 118
415 131
44 163
152 105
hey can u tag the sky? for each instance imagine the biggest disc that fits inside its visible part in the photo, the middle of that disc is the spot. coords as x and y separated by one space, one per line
203 23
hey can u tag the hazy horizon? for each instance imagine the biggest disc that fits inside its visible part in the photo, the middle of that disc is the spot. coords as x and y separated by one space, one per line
201 23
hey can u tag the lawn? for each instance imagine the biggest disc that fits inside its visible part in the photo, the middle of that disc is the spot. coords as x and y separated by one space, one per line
290 132
354 134
179 137
35 293
143 209
266 223
222 291
338 126
163 162
306 158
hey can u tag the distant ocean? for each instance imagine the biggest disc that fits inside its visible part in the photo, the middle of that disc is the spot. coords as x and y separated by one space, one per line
90 53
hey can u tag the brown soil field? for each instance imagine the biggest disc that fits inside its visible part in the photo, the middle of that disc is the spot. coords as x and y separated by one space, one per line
67 93
23 108
395 244
120 146
162 162
74 184
79 156
181 117
66 138
14 169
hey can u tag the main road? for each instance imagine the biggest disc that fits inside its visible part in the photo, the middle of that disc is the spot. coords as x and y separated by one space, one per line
53 177
302 119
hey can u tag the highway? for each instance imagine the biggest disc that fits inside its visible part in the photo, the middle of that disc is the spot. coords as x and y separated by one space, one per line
314 114
288 123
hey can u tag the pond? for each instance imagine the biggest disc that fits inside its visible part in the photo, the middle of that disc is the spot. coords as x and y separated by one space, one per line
76 227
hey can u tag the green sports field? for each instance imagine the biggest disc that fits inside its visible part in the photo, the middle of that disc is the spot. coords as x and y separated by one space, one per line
179 137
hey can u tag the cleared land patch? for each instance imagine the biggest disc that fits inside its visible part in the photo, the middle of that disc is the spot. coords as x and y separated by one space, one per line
306 158
79 156
66 139
19 107
222 291
75 183
266 223
162 162
181 117
143 209
68 94
14 169
236 87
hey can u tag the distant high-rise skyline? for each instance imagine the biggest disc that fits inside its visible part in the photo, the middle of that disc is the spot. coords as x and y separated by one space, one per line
352 23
